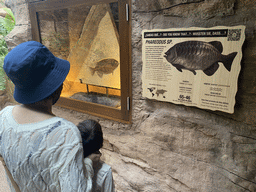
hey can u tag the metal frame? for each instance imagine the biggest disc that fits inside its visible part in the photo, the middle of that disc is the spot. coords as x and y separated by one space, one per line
123 114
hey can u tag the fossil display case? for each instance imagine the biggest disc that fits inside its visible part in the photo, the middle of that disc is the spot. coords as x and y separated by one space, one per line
94 36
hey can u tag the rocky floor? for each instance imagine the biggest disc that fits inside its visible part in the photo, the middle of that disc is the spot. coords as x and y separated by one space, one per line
3 183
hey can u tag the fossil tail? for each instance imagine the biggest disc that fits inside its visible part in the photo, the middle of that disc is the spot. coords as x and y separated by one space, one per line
228 60
92 71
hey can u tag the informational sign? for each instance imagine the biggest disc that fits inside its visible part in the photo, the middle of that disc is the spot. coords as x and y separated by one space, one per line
193 66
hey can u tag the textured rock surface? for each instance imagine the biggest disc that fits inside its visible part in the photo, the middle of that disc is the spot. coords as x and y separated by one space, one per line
178 149
3 98
3 182
171 147
22 30
194 149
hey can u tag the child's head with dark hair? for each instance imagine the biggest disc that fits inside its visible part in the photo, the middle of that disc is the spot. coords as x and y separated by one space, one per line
92 136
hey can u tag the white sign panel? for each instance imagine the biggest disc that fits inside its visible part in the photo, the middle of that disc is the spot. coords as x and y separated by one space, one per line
193 66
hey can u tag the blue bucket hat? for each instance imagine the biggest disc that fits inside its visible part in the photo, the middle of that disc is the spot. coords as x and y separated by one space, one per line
35 71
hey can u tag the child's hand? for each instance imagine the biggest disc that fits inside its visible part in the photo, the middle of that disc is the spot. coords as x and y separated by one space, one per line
95 157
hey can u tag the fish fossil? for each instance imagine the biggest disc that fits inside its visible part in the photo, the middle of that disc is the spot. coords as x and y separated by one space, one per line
104 66
199 55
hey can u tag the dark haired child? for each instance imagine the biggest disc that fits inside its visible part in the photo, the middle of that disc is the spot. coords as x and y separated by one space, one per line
92 138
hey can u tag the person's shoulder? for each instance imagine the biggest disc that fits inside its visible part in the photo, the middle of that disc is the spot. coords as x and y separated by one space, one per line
105 168
6 112
7 108
70 127
104 173
66 122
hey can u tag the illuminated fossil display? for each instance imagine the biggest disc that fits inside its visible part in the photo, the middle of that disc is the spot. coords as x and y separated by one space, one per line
87 36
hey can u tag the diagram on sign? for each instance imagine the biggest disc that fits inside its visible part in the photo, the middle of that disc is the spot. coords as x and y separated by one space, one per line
157 92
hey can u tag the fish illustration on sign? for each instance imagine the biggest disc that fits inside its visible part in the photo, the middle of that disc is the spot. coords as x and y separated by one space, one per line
104 66
199 55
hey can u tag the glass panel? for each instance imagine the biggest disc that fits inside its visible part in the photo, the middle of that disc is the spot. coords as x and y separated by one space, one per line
88 37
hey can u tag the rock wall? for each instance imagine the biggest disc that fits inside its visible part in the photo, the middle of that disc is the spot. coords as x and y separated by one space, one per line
169 147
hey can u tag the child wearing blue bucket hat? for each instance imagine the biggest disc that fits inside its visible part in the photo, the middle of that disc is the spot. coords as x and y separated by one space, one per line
42 152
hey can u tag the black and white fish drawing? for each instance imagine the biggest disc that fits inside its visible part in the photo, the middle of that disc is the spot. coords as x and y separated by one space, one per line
104 66
199 55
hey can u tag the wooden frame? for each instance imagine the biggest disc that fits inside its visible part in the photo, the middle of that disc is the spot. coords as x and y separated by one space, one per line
123 114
